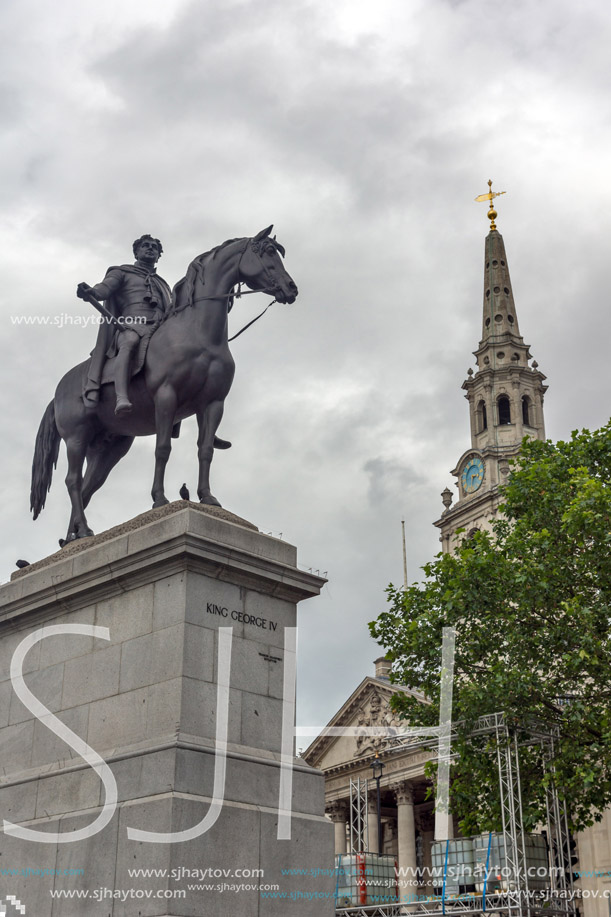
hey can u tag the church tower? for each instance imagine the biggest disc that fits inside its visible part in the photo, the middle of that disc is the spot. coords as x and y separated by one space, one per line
505 398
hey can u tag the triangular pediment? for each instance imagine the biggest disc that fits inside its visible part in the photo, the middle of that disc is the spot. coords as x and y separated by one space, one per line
367 706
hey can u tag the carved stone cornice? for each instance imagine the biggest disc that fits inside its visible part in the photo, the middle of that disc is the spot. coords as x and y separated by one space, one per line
406 761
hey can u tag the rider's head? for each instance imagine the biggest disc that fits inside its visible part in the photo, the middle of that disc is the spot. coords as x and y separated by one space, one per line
147 241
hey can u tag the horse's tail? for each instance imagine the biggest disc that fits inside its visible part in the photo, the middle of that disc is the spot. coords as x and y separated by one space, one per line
46 451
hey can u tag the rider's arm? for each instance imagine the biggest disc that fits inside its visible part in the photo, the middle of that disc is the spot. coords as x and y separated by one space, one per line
104 290
110 284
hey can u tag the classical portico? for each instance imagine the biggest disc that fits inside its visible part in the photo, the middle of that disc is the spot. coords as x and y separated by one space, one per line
406 814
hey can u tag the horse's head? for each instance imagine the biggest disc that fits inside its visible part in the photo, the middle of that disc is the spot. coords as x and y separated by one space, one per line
261 268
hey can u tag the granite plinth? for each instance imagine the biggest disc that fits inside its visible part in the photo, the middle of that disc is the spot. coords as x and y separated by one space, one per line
145 700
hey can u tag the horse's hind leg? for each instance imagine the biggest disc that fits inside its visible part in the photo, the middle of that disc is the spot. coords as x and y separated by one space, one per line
102 456
76 447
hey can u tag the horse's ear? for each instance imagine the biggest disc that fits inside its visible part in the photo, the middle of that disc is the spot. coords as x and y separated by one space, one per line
263 234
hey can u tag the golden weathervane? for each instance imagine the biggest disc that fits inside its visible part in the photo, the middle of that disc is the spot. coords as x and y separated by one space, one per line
492 214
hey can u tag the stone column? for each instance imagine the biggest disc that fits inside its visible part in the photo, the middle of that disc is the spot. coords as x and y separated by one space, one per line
338 813
517 401
472 415
425 823
490 411
406 831
537 409
372 820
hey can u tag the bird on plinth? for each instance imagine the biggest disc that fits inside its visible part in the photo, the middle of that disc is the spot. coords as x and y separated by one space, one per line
184 492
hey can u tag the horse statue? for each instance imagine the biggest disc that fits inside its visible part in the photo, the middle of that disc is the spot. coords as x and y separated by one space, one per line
188 369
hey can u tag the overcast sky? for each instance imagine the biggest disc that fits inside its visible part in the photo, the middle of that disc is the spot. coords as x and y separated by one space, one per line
363 131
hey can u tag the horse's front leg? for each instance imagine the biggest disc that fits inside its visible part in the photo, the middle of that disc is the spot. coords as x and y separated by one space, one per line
165 408
208 420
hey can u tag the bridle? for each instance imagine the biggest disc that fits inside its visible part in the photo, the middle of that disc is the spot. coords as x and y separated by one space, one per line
237 294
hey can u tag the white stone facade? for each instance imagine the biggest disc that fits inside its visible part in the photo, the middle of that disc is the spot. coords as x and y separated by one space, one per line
407 816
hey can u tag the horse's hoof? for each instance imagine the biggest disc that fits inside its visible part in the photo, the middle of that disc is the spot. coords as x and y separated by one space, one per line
221 443
161 502
73 536
209 500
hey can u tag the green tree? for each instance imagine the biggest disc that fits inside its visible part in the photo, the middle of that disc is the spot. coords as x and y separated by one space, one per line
531 604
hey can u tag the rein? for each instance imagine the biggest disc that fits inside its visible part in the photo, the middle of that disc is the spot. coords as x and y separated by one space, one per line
238 295
252 321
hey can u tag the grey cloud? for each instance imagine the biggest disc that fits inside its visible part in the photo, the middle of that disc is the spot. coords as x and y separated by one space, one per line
389 479
366 148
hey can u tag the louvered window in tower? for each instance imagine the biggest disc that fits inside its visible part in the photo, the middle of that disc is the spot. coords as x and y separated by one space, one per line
504 410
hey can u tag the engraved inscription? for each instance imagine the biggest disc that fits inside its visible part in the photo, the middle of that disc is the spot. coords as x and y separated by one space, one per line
242 616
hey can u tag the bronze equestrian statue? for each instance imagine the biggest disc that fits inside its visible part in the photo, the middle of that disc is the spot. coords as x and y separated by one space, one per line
176 364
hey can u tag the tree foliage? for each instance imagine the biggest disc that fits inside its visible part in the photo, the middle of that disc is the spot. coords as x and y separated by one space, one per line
531 604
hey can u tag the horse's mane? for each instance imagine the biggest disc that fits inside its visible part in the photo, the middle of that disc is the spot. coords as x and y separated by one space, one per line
182 293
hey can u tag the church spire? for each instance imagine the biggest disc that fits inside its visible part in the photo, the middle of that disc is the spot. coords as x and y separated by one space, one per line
499 308
505 398
505 395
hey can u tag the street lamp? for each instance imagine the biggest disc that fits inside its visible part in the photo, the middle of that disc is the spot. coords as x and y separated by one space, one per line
377 767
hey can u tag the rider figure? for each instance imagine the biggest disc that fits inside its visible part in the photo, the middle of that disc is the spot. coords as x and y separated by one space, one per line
138 298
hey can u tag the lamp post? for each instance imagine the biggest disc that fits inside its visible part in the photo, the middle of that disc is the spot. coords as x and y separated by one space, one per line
377 767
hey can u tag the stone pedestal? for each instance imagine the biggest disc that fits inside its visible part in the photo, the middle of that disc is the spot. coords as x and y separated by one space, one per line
146 701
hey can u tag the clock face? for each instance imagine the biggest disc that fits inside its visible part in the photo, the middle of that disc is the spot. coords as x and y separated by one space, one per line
472 475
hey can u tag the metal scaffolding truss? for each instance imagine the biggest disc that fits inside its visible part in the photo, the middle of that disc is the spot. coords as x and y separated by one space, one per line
497 904
517 900
511 808
557 827
359 833
376 910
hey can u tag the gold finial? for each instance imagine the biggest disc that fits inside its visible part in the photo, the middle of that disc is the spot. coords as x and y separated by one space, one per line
492 214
